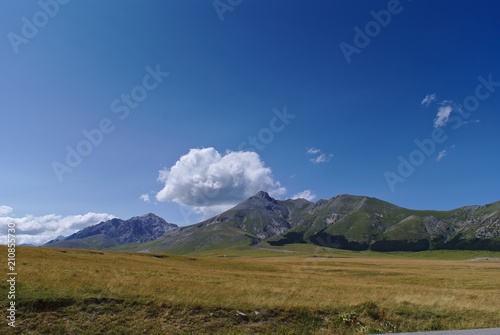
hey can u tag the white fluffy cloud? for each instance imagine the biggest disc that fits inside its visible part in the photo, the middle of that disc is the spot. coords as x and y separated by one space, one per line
5 210
38 230
442 116
210 182
429 98
306 194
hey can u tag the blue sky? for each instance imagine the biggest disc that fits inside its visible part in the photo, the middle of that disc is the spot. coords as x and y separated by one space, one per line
325 124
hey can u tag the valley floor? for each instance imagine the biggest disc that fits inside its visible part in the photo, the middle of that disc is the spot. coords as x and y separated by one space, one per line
305 290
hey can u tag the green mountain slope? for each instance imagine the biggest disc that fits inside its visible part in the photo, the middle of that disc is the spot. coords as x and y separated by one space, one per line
360 223
196 238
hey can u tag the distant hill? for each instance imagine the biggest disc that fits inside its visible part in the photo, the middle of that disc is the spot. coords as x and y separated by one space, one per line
115 232
344 221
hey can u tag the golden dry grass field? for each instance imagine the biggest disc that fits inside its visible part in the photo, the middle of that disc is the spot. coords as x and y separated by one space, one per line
259 291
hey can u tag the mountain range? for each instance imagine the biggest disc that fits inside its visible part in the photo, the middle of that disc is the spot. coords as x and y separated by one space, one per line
344 221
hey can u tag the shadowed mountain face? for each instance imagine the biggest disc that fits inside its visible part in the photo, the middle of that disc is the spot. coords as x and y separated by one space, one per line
344 221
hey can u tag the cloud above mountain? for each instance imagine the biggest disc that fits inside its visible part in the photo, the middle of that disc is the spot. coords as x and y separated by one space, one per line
209 181
306 194
38 230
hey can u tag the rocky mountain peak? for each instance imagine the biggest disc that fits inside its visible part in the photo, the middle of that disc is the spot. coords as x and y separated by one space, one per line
260 200
150 217
137 229
264 195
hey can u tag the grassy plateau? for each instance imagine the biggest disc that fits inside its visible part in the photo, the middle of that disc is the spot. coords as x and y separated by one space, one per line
296 289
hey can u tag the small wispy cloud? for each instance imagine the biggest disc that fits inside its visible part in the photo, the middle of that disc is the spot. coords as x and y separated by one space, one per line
306 194
471 121
429 98
446 107
321 157
442 154
145 197
442 116
313 151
